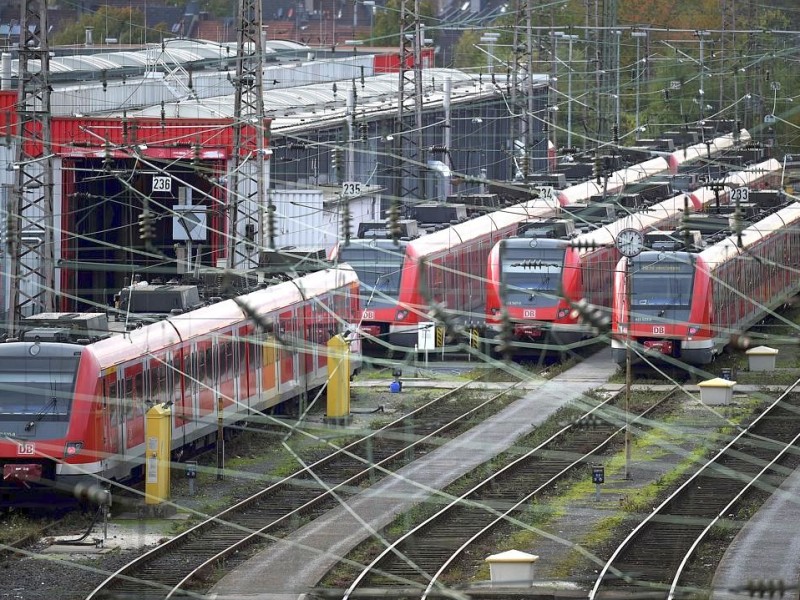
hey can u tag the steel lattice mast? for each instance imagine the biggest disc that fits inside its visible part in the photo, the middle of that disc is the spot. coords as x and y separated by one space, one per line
30 218
407 148
609 39
522 84
247 189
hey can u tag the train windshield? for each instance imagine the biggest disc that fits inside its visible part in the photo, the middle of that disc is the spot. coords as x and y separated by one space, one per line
378 272
41 387
531 277
662 291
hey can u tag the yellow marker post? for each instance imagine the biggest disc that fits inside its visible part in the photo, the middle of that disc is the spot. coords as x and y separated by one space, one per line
158 441
338 406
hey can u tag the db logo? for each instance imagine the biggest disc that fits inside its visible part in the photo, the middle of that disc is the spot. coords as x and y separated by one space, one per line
528 314
369 315
26 448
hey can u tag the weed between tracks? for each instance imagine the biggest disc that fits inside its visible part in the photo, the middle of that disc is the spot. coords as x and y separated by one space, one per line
674 436
663 454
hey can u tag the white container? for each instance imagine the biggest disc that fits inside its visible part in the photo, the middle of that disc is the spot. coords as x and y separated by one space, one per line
716 391
762 358
512 568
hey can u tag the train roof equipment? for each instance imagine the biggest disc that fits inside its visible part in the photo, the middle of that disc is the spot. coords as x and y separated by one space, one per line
592 214
81 328
288 263
147 302
548 228
436 215
408 229
752 234
669 241
477 203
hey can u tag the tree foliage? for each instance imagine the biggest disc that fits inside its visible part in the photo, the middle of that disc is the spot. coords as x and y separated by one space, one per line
386 25
123 24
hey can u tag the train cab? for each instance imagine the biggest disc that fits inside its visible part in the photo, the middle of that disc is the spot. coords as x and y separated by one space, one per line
379 265
664 307
534 279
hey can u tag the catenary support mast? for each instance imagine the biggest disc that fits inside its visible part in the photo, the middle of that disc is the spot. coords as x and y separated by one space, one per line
248 180
30 219
407 148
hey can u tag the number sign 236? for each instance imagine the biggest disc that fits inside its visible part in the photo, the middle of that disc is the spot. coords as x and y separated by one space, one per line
162 183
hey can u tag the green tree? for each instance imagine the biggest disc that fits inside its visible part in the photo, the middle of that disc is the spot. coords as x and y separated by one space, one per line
386 27
123 24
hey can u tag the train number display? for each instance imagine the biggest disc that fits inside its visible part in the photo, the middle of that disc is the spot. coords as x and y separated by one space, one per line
162 184
741 194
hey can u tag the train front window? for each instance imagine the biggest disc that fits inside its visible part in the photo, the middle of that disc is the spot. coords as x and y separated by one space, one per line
37 387
532 277
662 292
378 272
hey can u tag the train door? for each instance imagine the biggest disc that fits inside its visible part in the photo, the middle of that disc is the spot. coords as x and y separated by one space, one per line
225 368
173 371
309 344
286 325
204 365
269 369
112 416
134 403
325 330
247 364
157 378
179 374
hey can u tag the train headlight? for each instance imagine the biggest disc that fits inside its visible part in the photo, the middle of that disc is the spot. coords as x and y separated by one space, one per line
401 315
563 313
495 310
692 330
72 449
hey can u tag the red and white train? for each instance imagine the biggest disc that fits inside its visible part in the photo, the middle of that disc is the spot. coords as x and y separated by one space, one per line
668 163
537 280
71 412
687 306
397 292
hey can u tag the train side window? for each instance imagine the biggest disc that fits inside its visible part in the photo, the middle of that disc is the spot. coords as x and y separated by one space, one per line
226 359
241 361
190 373
200 357
255 351
162 381
128 397
112 399
154 384
138 393
209 380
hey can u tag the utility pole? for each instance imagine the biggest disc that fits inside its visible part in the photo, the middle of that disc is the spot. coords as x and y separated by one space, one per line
618 43
408 152
247 191
702 35
30 210
638 34
522 102
609 63
570 39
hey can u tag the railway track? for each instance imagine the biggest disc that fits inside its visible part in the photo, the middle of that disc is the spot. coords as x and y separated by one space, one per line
655 556
167 570
417 563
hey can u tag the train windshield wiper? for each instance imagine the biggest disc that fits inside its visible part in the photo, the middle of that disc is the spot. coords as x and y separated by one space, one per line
53 403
